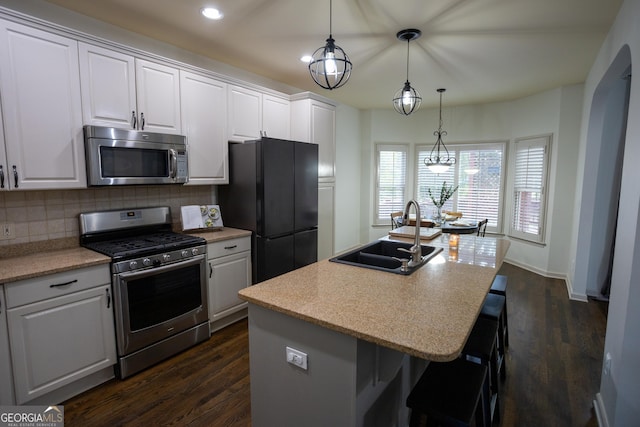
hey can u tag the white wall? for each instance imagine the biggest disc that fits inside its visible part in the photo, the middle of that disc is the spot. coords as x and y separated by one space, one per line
348 172
618 401
555 112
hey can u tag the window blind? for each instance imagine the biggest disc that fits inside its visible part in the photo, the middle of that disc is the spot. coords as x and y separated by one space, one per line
529 183
479 175
391 183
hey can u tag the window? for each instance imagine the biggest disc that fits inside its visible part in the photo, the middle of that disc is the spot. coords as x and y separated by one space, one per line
479 175
391 162
529 184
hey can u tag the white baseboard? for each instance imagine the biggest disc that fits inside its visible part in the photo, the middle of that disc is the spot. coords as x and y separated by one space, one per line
601 412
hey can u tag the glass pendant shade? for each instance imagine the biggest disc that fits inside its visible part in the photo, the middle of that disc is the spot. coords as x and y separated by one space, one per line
439 160
330 66
407 100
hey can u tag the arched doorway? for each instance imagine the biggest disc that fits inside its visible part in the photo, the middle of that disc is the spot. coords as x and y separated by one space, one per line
602 178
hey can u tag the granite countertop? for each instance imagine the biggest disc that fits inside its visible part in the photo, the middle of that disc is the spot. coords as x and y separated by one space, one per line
219 235
428 314
40 261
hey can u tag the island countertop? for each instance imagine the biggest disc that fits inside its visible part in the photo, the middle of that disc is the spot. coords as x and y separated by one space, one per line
428 314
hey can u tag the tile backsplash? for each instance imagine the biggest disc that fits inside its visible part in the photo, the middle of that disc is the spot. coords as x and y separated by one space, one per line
37 216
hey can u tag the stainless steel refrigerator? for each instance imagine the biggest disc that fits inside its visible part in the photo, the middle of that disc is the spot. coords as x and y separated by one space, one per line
273 191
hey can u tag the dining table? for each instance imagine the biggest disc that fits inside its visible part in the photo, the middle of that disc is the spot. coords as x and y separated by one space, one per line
459 227
456 226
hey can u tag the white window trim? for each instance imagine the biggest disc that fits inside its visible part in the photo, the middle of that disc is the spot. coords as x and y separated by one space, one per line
376 221
539 140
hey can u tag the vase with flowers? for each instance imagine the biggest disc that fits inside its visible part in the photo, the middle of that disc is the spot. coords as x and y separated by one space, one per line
440 199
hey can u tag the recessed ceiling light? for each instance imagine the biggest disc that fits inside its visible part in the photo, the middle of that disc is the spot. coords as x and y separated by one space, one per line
211 13
306 58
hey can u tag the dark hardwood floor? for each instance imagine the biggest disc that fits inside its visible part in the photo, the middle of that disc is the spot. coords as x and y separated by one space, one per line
553 361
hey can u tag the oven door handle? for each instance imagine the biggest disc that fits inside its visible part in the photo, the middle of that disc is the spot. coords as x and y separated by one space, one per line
156 270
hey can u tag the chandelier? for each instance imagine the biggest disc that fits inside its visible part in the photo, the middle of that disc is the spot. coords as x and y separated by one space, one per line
439 159
330 66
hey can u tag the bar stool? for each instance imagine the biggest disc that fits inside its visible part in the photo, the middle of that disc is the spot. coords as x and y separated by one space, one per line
499 287
451 394
482 346
493 308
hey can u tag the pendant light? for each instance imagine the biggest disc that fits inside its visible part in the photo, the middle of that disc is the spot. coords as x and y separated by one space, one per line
438 162
330 66
407 100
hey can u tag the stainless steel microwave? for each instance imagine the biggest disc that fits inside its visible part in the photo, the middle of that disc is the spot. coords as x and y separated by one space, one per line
129 157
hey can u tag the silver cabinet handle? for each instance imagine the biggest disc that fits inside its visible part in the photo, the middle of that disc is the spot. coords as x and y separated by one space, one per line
134 119
141 121
210 270
15 176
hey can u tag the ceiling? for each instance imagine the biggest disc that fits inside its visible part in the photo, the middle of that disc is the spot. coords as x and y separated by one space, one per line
479 50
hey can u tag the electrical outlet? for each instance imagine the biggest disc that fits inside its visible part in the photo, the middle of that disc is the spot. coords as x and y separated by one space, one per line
6 232
297 358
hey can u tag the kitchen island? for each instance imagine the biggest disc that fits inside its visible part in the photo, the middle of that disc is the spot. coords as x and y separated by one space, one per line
367 335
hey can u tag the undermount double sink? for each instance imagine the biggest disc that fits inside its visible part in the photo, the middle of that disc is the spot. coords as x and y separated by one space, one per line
384 255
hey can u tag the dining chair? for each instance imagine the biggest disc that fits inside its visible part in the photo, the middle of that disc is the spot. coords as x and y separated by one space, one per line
454 214
482 226
396 219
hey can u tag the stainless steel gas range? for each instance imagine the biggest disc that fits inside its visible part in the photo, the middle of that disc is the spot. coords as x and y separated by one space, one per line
158 280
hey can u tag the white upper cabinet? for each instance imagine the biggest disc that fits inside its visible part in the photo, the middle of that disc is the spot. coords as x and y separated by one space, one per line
158 90
40 91
121 91
315 121
204 114
276 117
244 114
108 85
252 114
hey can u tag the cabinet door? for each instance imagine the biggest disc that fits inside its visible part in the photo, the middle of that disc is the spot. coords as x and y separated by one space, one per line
40 88
158 96
323 133
108 87
326 200
5 183
60 340
228 275
204 113
276 117
244 114
6 385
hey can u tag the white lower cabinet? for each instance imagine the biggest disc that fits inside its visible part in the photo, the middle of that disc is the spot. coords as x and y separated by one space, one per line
6 385
60 332
229 272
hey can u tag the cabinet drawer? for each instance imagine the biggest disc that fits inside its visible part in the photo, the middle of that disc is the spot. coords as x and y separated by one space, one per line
228 247
55 285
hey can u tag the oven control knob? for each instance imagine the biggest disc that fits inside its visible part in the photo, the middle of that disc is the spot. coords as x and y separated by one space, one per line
146 262
194 251
133 265
166 257
185 253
